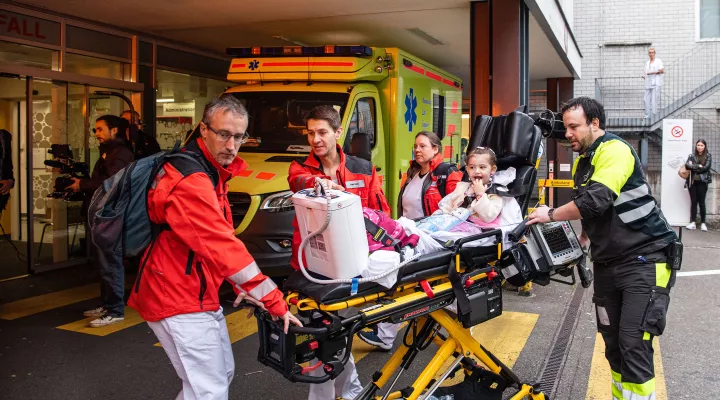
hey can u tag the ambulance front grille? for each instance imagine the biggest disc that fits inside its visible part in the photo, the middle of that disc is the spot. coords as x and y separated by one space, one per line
239 205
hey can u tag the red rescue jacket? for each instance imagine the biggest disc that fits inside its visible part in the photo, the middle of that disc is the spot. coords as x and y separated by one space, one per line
188 262
443 179
356 175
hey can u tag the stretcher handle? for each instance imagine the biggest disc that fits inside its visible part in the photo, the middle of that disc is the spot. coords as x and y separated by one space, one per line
516 234
495 232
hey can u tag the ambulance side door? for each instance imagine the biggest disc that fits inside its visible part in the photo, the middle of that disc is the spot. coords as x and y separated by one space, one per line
365 116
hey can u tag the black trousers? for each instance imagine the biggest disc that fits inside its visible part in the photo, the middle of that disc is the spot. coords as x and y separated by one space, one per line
698 191
631 301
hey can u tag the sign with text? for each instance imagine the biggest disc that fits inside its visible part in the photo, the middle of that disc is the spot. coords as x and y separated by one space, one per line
677 144
179 109
29 28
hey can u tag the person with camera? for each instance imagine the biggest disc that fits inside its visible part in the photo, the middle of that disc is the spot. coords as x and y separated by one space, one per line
115 154
636 253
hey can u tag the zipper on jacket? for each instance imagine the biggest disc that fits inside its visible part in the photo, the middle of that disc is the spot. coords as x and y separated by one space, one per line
379 203
188 266
203 282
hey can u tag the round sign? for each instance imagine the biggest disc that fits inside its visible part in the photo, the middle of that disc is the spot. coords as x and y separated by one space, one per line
676 131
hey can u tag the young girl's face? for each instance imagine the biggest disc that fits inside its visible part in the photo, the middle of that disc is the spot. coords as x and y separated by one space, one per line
480 167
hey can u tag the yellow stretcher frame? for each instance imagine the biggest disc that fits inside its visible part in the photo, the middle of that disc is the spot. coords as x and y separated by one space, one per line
459 340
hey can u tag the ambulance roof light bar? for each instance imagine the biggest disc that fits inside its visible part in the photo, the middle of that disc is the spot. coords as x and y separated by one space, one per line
300 51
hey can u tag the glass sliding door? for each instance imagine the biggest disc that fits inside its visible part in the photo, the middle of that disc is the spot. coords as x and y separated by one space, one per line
13 235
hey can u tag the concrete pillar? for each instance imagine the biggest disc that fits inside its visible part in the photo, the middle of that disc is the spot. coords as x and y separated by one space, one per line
499 56
559 91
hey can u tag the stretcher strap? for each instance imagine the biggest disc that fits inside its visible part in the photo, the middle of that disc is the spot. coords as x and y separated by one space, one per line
427 289
311 368
354 288
380 235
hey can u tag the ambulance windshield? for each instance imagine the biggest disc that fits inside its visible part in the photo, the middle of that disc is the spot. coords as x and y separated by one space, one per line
277 122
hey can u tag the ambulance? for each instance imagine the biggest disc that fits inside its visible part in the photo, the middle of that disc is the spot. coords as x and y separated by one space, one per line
385 97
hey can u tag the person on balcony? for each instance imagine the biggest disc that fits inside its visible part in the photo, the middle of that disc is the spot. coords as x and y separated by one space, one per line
654 71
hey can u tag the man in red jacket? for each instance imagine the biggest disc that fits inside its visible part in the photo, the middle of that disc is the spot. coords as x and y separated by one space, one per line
176 289
340 171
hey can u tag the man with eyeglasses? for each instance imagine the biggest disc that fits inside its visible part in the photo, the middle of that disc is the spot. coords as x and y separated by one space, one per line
177 285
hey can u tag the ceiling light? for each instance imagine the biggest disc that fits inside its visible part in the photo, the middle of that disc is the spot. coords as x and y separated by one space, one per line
165 100
425 36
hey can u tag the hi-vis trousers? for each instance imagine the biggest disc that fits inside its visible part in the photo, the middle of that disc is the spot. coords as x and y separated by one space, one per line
631 302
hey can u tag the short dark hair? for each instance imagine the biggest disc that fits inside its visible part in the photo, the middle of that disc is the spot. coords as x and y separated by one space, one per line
326 113
591 107
113 121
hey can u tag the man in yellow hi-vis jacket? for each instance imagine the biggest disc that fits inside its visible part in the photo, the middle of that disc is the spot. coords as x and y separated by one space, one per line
630 241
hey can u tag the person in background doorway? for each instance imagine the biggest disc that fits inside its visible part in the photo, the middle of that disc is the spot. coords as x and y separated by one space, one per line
115 154
143 144
654 71
7 178
699 164
428 179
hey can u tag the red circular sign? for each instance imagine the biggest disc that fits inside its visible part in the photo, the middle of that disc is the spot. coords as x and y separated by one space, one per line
676 131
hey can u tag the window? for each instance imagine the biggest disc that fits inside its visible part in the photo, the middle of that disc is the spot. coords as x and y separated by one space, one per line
30 56
362 120
439 115
708 19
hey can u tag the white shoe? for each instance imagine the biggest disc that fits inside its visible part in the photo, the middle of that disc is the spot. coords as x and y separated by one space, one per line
703 227
95 312
691 226
105 320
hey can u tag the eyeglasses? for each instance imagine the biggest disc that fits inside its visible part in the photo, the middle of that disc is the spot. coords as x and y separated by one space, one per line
223 137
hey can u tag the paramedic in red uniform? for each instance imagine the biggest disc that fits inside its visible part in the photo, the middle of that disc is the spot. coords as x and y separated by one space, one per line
177 287
340 171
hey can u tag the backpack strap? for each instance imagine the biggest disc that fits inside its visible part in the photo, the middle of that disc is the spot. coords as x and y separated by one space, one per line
442 172
380 235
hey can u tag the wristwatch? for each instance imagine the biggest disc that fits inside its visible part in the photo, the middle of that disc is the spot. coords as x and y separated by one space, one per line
550 214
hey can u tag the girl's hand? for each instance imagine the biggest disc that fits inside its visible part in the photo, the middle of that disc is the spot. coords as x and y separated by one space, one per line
479 187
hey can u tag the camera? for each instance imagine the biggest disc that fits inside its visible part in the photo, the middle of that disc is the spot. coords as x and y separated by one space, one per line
63 161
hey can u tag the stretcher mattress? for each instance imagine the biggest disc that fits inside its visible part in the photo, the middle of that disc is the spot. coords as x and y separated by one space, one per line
424 267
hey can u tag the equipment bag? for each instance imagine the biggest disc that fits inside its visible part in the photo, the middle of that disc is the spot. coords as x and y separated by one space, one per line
384 233
118 217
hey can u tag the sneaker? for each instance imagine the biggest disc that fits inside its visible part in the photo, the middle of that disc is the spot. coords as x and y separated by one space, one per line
703 227
691 226
95 312
372 338
106 320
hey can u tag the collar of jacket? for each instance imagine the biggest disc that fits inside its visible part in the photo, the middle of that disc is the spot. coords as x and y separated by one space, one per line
437 160
109 145
314 161
234 169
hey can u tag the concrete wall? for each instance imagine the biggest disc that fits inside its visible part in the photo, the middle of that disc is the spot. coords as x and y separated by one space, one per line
712 201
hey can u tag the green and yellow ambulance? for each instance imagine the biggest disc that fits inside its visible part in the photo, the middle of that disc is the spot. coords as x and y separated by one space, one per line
385 97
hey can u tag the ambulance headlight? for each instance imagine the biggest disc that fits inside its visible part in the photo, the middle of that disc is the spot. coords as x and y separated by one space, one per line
278 202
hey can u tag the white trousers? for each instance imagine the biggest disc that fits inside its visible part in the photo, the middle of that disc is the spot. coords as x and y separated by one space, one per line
387 331
199 348
652 100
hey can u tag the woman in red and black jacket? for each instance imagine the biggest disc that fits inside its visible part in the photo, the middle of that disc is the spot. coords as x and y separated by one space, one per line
428 179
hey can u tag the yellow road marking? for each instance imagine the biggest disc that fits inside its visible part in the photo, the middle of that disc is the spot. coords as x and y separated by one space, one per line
600 382
504 336
132 318
45 302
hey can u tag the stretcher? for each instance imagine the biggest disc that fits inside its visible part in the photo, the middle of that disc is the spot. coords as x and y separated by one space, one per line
464 277
462 274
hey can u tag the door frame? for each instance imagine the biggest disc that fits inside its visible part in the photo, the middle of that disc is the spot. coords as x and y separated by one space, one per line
29 74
